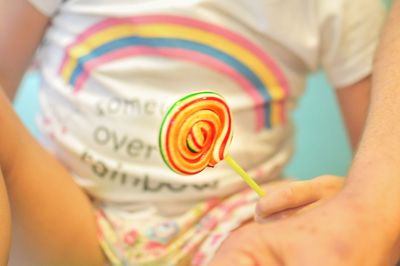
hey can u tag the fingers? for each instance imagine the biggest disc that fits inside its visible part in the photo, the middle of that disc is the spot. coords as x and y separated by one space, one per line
329 184
291 197
288 196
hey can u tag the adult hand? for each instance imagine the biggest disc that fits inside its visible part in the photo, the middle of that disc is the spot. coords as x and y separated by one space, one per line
290 198
339 231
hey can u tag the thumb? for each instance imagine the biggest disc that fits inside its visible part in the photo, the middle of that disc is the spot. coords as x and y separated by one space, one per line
287 198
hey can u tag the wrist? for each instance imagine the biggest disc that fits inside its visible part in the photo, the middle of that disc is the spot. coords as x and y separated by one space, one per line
359 228
376 211
373 183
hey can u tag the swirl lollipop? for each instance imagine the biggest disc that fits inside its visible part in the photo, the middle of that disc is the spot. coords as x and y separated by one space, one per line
196 132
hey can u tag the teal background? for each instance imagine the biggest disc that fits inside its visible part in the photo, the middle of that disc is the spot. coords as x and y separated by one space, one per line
322 146
321 142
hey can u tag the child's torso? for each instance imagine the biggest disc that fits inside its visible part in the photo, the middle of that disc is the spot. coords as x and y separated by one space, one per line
110 70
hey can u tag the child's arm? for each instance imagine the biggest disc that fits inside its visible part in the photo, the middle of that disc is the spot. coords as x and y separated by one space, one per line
21 29
354 101
5 223
51 214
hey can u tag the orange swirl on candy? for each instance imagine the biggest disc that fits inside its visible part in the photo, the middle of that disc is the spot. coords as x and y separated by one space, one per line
196 132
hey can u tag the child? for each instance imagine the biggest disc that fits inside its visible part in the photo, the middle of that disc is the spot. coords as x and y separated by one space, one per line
110 69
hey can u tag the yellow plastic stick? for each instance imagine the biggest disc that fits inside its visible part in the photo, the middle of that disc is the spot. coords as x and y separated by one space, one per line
235 166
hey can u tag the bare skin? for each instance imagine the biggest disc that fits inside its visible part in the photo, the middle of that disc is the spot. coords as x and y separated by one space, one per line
52 214
5 223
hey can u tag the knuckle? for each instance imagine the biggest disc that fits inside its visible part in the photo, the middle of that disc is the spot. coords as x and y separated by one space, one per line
288 194
329 182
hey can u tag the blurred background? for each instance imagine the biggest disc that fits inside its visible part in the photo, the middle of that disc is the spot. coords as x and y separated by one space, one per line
321 142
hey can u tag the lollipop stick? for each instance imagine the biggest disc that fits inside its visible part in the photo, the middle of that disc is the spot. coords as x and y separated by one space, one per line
235 166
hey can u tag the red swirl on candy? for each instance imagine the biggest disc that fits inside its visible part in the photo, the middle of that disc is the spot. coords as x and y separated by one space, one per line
196 132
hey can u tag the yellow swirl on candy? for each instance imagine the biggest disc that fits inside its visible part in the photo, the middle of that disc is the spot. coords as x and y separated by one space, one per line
196 132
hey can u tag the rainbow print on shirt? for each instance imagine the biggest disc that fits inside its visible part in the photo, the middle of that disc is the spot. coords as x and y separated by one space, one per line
182 38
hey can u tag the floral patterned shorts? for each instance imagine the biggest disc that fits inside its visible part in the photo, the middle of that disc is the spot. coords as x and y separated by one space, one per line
191 238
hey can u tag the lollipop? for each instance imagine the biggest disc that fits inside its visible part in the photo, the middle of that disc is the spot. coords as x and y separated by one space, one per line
196 132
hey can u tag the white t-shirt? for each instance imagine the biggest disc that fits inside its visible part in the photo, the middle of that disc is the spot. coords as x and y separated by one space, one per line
111 68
